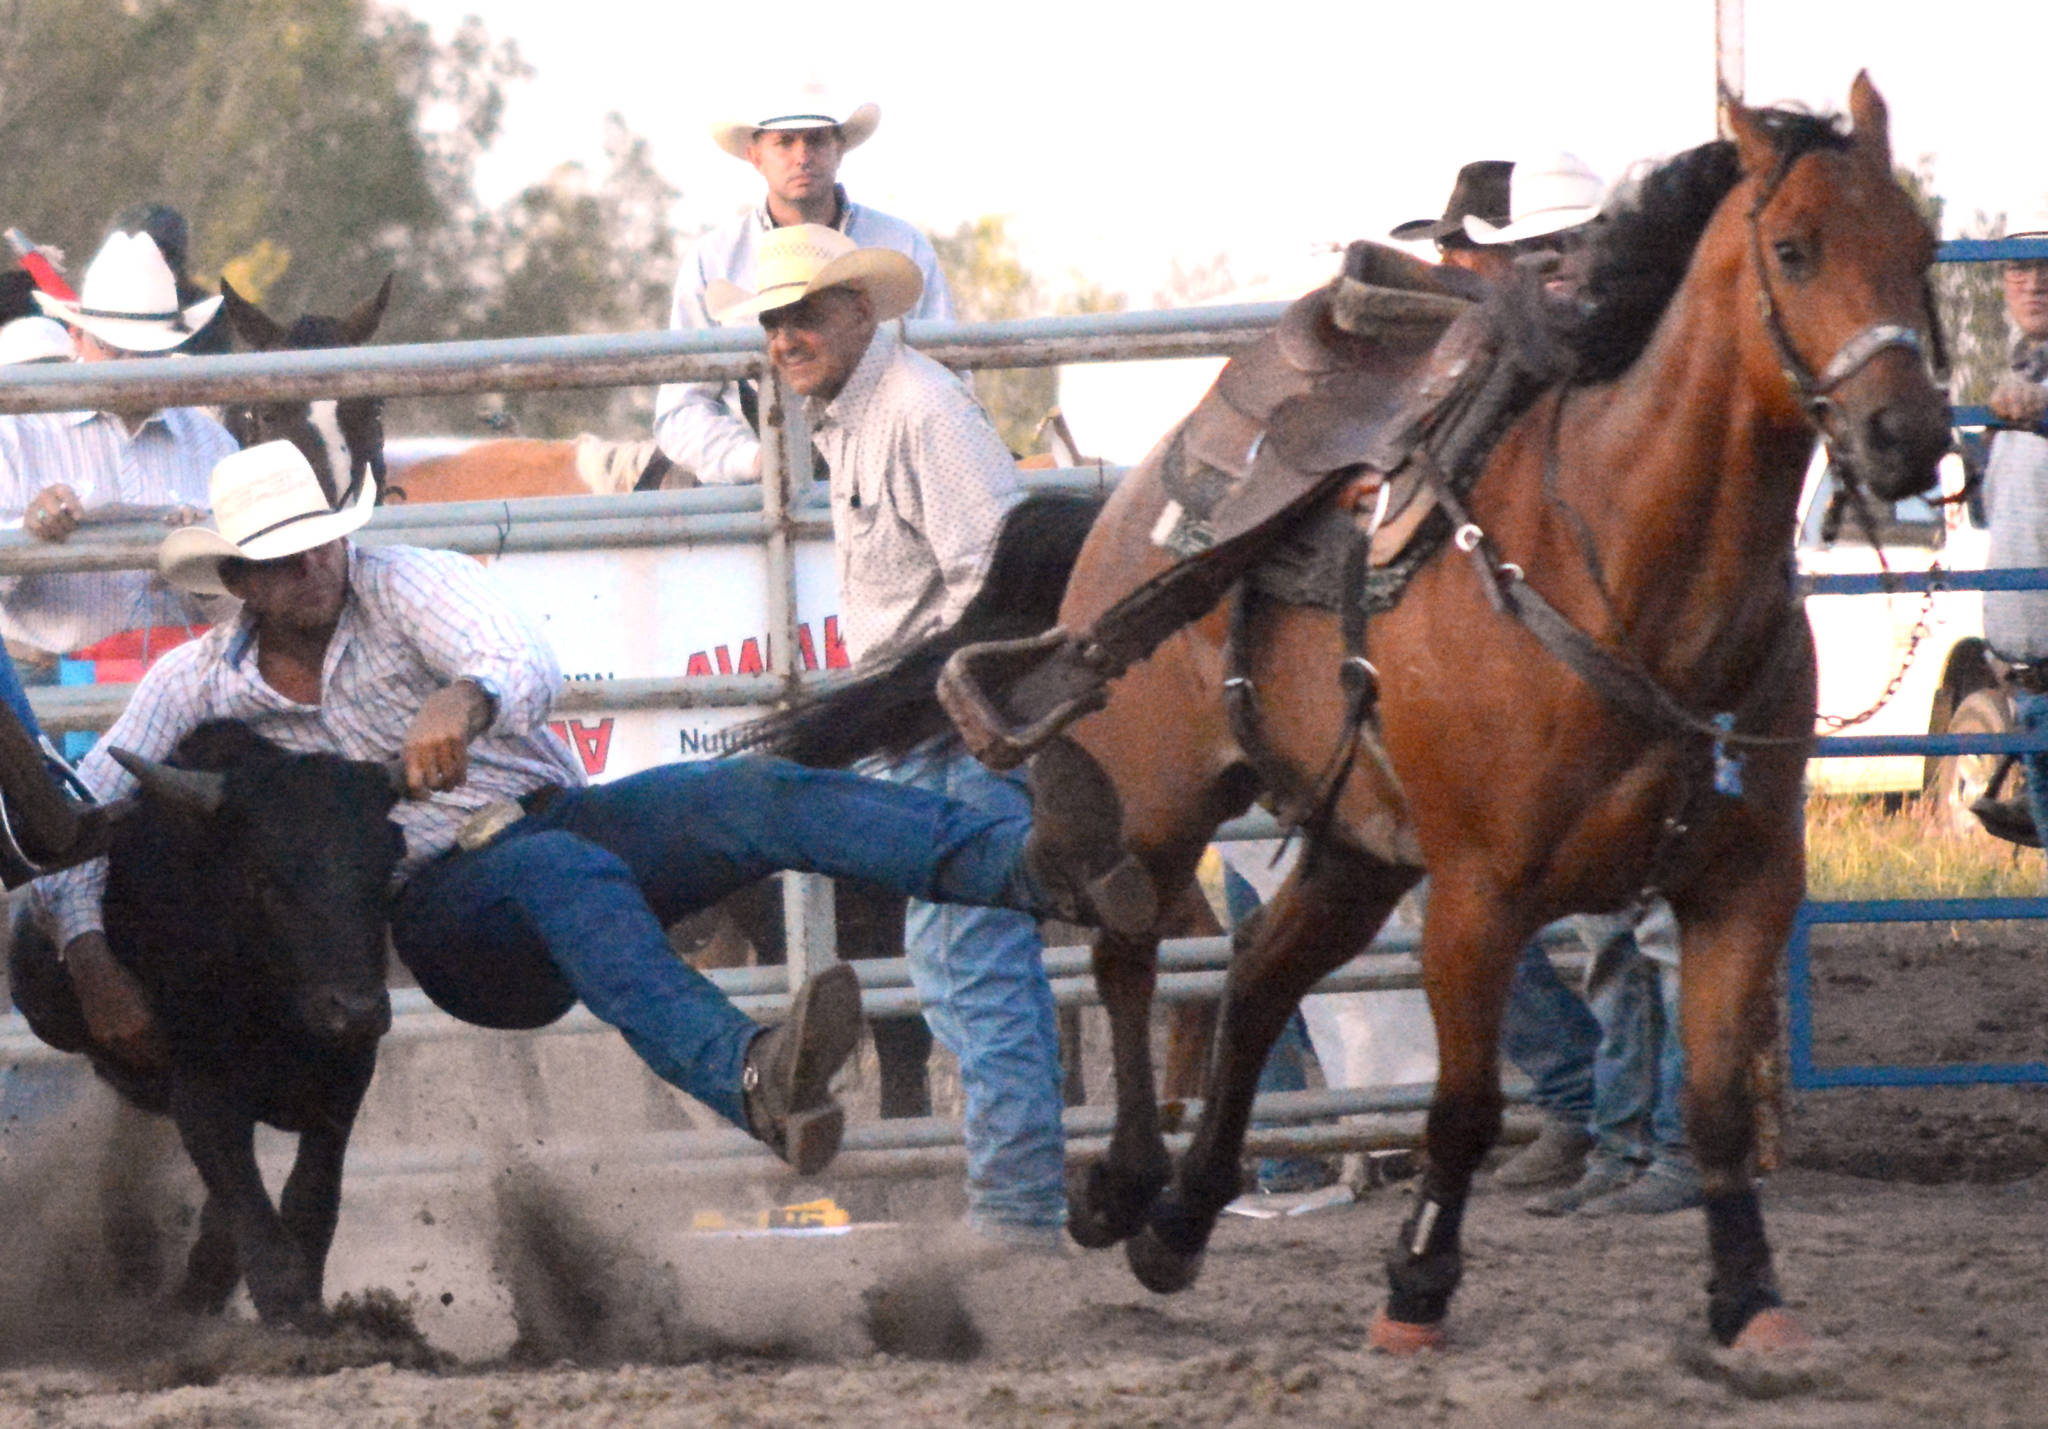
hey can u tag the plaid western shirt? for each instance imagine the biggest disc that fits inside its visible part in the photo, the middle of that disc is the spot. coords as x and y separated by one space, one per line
413 622
167 462
920 481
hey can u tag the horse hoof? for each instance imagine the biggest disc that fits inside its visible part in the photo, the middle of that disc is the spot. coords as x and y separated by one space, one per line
1160 1268
1773 1332
1094 1218
1398 1337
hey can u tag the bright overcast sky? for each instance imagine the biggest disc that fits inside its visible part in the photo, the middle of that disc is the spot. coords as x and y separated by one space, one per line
1119 144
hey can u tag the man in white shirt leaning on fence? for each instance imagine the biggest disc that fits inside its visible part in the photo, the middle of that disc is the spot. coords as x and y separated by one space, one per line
796 145
920 481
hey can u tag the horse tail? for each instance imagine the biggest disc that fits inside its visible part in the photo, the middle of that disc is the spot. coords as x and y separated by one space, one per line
894 709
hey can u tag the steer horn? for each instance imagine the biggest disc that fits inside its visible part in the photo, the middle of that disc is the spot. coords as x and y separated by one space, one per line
194 789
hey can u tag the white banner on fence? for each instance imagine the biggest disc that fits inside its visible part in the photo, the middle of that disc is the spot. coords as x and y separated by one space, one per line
656 611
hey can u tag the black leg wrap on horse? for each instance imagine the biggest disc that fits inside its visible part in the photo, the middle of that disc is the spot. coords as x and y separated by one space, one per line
1424 1267
1742 1284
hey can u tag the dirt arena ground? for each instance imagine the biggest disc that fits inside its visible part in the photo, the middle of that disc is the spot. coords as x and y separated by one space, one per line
1911 1229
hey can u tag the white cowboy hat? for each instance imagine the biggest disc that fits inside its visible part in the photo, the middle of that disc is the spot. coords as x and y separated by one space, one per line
35 340
1545 195
267 503
129 298
804 258
799 111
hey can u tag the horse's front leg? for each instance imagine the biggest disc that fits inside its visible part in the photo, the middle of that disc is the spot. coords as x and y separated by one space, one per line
1328 910
1107 1199
1469 945
220 1138
1730 946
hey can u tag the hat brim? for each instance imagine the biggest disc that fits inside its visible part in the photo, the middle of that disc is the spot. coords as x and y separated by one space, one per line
1535 225
890 280
190 558
133 334
734 135
1420 230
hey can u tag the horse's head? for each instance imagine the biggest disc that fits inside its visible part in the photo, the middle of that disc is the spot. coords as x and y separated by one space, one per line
1837 259
343 440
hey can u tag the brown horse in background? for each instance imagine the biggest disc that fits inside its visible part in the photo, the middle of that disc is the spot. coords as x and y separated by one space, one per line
1652 736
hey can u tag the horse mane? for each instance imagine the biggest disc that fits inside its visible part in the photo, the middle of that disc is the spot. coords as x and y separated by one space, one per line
890 711
1642 248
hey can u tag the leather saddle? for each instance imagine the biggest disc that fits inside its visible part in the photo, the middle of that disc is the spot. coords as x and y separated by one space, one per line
1339 394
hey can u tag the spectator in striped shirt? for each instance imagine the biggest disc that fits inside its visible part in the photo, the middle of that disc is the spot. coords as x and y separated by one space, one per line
55 467
523 890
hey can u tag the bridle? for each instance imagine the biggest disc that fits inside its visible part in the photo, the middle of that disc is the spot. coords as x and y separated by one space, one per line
1816 393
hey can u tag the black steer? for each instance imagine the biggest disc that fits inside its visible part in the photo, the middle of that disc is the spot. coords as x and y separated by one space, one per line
249 898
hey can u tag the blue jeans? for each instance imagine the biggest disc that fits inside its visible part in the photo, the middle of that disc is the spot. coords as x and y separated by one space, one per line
1548 1032
1639 1073
980 973
570 903
2030 716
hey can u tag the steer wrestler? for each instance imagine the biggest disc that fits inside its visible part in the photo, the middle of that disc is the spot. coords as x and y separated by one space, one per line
523 890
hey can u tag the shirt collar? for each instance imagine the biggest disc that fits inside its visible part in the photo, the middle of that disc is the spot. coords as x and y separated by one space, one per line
764 220
80 419
2030 359
844 410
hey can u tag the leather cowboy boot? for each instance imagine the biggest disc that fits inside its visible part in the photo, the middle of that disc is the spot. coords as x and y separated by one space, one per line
1076 854
787 1082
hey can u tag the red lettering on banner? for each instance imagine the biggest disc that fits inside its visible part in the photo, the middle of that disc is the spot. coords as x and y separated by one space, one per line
700 664
724 660
750 657
806 649
835 648
592 742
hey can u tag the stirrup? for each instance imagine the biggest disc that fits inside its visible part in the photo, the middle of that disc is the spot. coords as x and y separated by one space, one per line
1047 678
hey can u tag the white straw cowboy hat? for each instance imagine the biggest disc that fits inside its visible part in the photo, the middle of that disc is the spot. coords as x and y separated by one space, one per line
1545 195
799 111
129 298
267 503
35 340
805 258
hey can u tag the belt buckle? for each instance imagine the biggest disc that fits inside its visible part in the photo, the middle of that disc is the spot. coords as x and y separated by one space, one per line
483 827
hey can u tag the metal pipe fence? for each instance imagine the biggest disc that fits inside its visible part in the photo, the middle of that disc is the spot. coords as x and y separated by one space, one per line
780 511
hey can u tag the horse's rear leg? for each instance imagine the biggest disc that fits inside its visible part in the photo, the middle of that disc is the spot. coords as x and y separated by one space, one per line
1328 910
1468 956
1727 986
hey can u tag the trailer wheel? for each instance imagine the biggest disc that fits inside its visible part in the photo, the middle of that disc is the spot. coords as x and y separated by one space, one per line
1960 779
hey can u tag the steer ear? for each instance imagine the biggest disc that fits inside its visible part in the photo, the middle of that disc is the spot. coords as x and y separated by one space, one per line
194 789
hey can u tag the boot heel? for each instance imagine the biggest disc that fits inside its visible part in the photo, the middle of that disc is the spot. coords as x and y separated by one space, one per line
812 1138
1125 899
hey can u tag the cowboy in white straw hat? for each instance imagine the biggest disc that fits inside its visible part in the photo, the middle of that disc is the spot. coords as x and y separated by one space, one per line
57 466
129 299
267 504
920 482
795 142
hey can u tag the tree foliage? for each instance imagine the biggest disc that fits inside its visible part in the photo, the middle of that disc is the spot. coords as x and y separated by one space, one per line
990 283
1969 299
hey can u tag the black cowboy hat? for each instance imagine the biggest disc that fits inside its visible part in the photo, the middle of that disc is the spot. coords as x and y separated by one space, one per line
1481 191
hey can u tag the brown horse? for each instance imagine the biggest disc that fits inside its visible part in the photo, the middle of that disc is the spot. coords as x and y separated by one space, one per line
1653 736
